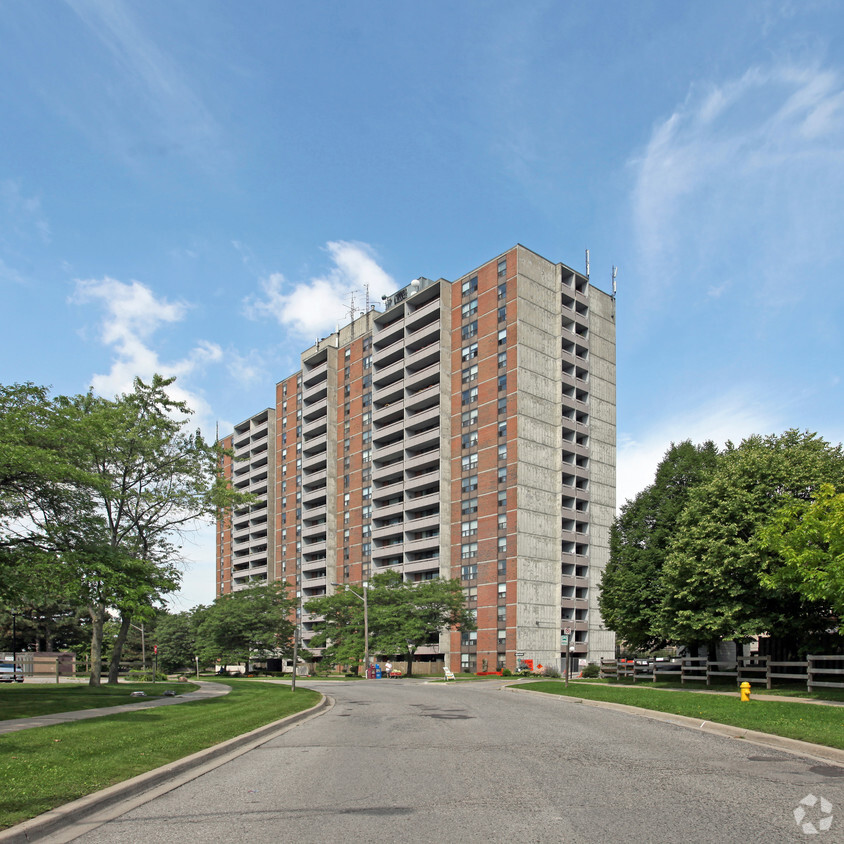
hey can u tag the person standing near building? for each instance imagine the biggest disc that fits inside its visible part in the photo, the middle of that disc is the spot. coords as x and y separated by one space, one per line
388 668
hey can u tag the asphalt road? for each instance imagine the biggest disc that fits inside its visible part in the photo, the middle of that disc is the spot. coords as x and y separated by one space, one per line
405 761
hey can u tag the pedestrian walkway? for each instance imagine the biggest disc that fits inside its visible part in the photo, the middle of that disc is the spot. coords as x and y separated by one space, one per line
206 691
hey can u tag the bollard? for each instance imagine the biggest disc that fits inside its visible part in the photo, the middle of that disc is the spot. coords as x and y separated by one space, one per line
745 691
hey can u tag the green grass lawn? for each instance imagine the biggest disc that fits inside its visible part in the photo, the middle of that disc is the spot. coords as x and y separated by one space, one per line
46 767
28 700
803 721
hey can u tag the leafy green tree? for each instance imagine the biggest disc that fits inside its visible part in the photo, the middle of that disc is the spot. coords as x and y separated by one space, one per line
809 539
248 624
715 577
117 483
402 616
632 588
176 635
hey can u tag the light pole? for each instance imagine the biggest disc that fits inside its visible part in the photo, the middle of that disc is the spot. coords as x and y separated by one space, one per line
365 588
14 647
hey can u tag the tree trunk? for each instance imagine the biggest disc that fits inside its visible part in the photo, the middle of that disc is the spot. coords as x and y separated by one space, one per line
97 613
410 663
117 653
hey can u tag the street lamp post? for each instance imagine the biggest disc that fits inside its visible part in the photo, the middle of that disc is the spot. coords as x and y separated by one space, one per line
365 588
14 647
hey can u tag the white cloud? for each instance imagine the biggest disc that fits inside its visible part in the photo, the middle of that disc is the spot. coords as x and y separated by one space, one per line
728 417
152 108
748 170
132 315
316 306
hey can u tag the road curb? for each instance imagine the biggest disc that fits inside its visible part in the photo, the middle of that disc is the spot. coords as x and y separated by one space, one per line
829 755
56 819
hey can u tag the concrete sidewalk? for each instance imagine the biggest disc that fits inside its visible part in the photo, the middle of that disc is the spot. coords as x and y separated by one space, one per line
207 690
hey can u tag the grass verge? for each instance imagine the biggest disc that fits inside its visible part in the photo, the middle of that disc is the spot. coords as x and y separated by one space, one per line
46 767
22 701
803 721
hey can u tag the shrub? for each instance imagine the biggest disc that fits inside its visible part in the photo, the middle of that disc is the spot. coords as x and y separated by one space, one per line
550 671
506 672
591 671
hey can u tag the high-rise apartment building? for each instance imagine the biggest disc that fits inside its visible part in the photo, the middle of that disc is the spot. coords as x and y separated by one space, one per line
465 431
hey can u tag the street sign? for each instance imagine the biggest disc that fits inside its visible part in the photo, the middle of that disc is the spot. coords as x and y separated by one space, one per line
564 640
520 653
567 631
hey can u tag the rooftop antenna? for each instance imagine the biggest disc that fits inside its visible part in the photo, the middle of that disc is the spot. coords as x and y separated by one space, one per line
614 274
352 310
587 263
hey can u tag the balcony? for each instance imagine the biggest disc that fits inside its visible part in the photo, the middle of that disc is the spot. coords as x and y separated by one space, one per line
384 375
422 440
423 357
423 399
388 413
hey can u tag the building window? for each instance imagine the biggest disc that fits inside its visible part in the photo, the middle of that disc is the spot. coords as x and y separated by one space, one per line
366 493
502 475
470 352
469 528
502 590
367 399
470 309
502 545
502 521
367 417
469 286
468 550
366 455
469 506
469 462
366 511
347 444
502 567
502 268
469 330
502 360
365 530
469 572
367 362
367 343
470 374
366 549
469 396
366 437
470 593
366 382
469 484
502 383
502 429
346 499
502 406
469 417
502 614
502 314
502 290
502 452
469 440
502 337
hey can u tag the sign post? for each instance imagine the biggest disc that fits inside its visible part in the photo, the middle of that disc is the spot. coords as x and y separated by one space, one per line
564 643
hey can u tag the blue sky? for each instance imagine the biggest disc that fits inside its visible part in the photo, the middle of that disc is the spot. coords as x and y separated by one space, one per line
195 187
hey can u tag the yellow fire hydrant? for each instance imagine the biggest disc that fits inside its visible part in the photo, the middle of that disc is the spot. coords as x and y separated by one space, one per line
745 690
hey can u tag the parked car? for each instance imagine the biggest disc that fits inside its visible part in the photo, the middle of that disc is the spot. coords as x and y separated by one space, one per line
9 675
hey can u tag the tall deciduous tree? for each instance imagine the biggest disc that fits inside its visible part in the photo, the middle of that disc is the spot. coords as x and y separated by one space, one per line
809 538
715 584
248 624
117 482
632 588
402 616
